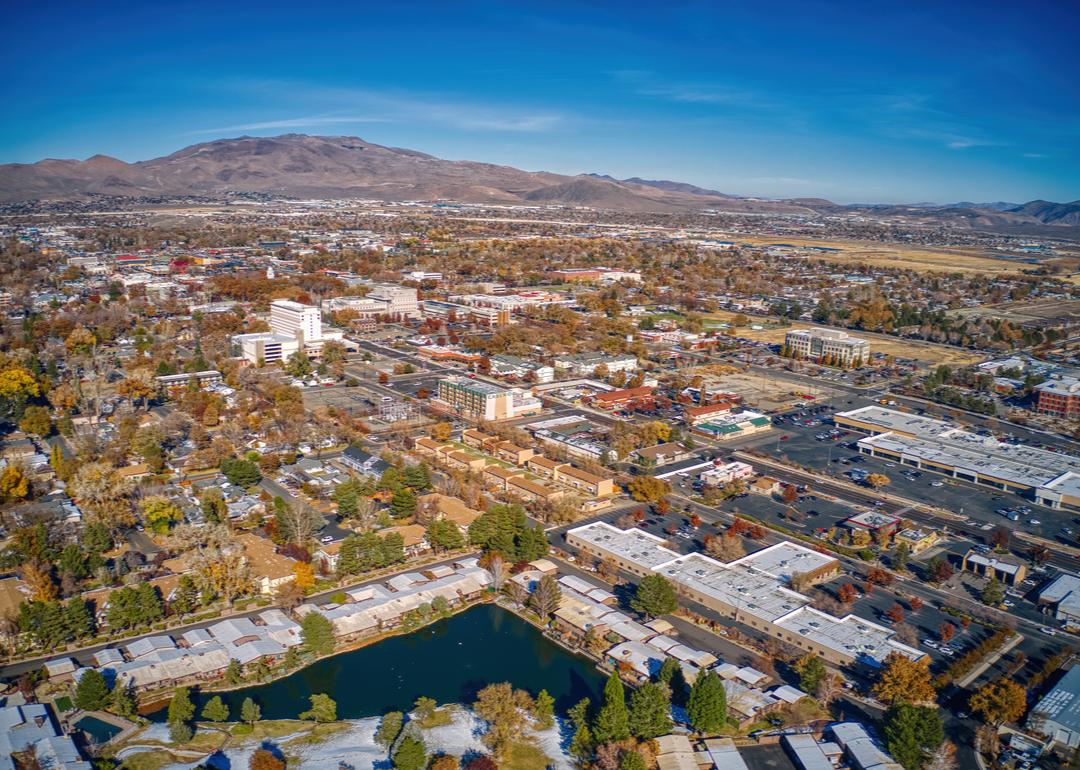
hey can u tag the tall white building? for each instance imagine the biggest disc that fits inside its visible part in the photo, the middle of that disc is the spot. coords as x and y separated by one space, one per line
384 299
837 346
292 319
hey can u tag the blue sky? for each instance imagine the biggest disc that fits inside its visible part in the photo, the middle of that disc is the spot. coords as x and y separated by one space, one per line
852 101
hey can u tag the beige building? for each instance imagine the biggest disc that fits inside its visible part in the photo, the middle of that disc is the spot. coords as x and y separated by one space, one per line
827 345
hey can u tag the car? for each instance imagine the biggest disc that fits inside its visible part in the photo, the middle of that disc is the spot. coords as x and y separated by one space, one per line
1048 631
930 643
784 438
1034 522
937 484
1008 603
948 652
326 539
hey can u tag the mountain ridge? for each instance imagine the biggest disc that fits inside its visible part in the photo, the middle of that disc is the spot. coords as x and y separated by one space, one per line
299 165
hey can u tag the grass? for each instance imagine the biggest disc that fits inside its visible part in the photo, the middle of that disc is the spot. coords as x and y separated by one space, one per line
147 760
63 703
438 718
526 756
318 733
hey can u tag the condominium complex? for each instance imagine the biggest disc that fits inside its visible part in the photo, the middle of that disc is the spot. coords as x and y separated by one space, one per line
830 346
754 590
480 400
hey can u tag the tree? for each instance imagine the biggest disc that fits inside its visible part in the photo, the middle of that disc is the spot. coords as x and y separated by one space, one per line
160 513
215 710
942 758
829 689
389 727
878 480
481 762
581 745
811 671
234 672
504 709
317 633
993 593
298 365
671 676
264 759
444 534
403 503
323 709
250 711
122 703
612 723
939 569
707 705
946 632
411 754
903 680
441 431
242 473
179 716
647 489
92 692
847 593
14 483
650 711
912 733
654 596
305 575
544 710
545 597
36 421
444 762
895 613
1000 701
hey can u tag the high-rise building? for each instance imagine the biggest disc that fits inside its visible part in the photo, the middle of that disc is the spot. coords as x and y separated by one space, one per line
293 319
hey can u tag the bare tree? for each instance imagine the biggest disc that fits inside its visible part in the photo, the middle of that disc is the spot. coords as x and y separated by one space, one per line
497 568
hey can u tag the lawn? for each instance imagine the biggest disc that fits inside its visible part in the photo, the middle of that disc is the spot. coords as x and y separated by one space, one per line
63 703
525 756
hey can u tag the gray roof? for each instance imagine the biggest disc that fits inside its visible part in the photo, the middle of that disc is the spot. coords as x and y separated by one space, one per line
1062 704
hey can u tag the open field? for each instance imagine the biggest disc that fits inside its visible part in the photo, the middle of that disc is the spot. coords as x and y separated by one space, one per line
927 352
762 391
901 256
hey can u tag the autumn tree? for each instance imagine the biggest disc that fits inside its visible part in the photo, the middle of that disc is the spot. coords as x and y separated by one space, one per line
1000 701
545 598
903 680
504 709
647 489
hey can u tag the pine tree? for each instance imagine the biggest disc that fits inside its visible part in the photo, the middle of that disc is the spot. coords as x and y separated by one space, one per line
92 692
544 710
215 710
317 633
612 723
121 702
912 733
707 705
650 711
411 754
234 672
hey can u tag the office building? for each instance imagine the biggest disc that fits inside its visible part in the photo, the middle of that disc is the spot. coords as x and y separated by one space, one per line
829 346
479 400
1057 715
1059 397
294 327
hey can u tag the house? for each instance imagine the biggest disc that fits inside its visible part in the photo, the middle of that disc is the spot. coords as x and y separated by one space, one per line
414 537
542 466
510 453
269 569
362 462
1007 569
436 506
589 483
627 398
664 454
27 730
531 491
1057 715
764 485
498 476
917 539
696 415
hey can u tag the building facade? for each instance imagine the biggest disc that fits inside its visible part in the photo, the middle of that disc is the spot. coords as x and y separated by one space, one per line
827 345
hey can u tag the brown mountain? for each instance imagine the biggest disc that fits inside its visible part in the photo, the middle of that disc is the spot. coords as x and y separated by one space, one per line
297 165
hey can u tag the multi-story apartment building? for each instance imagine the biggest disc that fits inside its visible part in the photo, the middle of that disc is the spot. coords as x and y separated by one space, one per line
1059 397
483 401
829 345
584 364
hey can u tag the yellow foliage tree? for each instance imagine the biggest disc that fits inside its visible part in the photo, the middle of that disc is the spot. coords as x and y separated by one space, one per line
40 582
305 575
999 702
14 485
903 680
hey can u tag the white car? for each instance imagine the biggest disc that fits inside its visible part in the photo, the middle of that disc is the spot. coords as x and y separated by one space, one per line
937 483
930 643
1034 522
1048 631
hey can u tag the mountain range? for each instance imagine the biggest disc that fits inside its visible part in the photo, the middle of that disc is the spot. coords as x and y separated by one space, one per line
301 166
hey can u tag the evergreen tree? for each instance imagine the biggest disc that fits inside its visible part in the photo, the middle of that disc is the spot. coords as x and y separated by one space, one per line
410 754
348 562
73 561
671 675
811 671
181 711
544 710
650 711
581 746
632 760
122 703
612 723
707 705
317 633
79 619
323 709
403 503
655 595
92 692
912 733
234 672
215 710
417 477
389 728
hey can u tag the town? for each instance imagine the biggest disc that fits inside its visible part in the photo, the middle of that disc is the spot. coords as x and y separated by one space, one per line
809 508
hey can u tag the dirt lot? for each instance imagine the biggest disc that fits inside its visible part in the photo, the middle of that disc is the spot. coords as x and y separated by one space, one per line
928 353
765 392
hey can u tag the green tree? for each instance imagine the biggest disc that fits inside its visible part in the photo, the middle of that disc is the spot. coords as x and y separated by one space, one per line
671 676
389 728
298 365
215 710
581 746
403 503
73 561
160 513
317 633
632 760
411 754
323 709
181 712
544 710
993 593
707 705
234 672
612 723
811 671
79 619
655 595
122 703
650 711
242 473
912 733
250 711
92 692
444 535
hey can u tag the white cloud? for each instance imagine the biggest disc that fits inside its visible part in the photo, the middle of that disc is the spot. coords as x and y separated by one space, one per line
308 122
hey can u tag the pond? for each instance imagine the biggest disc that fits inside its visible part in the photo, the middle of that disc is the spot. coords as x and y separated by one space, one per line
450 660
98 731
